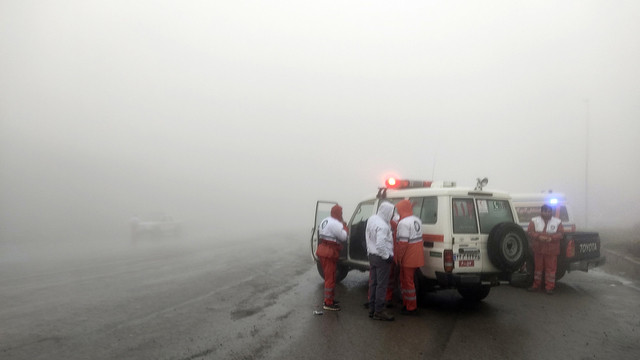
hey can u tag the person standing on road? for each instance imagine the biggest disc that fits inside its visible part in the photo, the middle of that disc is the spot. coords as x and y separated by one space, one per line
332 232
380 251
393 269
409 255
545 232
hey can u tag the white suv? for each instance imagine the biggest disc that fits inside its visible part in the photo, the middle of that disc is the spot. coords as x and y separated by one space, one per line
471 240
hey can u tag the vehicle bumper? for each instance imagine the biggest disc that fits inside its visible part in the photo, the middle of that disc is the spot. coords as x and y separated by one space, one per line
585 265
471 279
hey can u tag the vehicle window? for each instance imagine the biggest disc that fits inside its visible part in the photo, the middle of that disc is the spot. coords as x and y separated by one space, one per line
363 212
526 213
321 214
393 201
493 212
417 206
323 210
426 208
464 216
358 224
563 214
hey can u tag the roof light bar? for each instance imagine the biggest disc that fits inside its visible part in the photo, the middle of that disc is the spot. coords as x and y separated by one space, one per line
393 183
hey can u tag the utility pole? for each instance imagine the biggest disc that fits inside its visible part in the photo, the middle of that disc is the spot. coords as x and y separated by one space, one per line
586 169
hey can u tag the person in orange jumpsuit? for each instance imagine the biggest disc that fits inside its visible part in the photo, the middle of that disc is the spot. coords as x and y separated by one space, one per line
409 254
332 233
545 232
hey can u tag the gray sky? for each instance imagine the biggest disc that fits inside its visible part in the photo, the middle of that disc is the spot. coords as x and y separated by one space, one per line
238 115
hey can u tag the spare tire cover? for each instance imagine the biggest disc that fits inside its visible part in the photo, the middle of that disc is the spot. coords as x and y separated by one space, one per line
507 246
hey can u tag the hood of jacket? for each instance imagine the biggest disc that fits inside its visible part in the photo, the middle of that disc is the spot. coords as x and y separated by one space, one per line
336 212
405 209
385 211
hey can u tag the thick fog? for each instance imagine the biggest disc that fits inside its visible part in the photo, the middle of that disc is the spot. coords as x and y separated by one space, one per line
236 116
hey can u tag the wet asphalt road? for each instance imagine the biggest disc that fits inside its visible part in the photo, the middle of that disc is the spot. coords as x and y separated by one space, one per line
254 299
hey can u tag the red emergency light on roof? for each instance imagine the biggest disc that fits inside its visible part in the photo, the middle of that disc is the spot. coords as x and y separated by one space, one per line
393 183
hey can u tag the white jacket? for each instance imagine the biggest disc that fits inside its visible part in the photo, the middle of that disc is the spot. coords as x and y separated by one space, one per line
410 230
551 226
378 233
332 230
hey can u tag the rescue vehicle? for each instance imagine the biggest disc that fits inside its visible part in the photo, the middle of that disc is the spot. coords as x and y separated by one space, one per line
579 250
471 239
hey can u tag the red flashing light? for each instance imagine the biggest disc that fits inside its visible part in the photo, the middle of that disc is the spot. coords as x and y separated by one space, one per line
393 183
390 183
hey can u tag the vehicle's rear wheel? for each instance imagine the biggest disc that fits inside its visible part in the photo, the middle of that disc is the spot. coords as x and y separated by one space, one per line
341 271
421 285
561 270
525 279
474 293
507 246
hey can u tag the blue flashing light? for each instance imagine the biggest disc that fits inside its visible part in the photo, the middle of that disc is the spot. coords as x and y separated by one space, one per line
553 201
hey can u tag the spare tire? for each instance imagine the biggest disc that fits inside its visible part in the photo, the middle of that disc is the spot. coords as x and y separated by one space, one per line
507 246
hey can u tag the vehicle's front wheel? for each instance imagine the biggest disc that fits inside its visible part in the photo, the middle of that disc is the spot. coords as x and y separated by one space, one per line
474 293
341 271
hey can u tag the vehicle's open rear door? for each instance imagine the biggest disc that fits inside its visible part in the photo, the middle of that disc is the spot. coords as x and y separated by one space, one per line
323 210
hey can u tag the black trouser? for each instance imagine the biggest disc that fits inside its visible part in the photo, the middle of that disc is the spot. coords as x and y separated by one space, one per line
378 281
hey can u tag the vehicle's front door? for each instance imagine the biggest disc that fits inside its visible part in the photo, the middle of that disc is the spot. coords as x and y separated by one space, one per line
323 210
357 226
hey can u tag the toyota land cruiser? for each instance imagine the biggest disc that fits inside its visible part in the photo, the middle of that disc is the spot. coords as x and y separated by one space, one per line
471 240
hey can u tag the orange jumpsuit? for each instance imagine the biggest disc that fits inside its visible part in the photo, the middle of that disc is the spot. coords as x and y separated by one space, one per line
332 232
545 251
409 254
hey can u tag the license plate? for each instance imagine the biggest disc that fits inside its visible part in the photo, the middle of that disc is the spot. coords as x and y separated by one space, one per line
466 263
469 255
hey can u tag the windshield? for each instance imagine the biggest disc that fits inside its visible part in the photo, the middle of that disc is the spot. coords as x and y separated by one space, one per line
526 213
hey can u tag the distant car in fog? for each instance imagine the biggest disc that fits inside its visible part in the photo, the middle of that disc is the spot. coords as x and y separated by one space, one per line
156 225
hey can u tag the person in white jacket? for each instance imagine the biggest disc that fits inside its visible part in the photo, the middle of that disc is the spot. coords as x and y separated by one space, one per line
380 251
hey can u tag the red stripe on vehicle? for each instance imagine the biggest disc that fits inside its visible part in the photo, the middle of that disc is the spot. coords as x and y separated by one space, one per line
432 238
